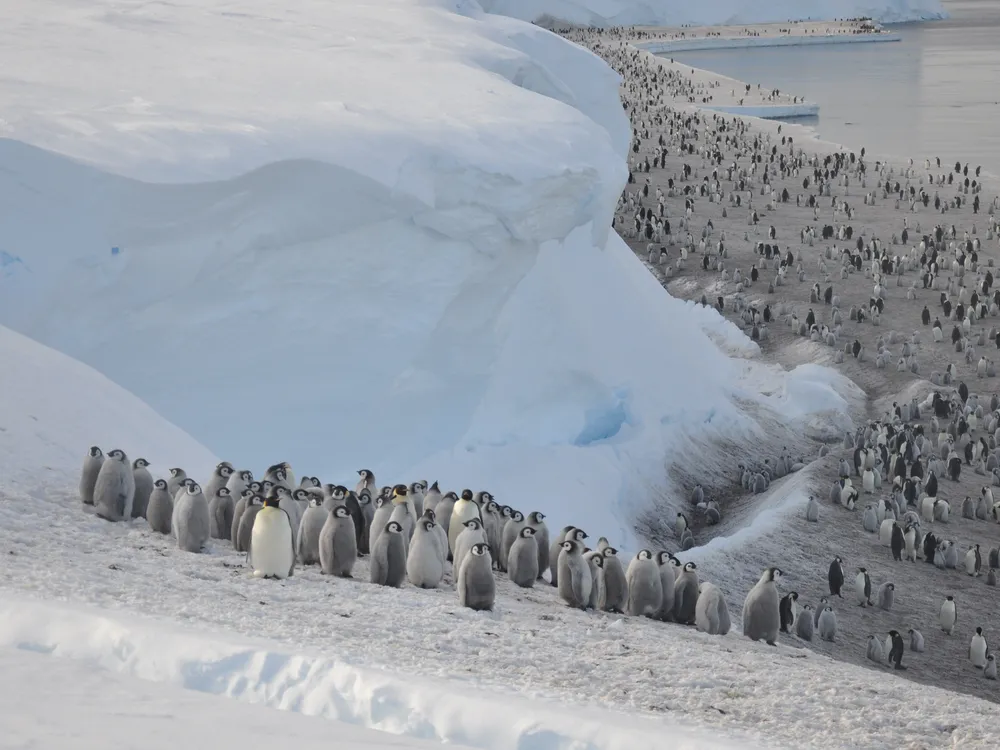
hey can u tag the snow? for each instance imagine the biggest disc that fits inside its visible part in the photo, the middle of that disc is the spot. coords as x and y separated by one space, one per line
712 12
280 231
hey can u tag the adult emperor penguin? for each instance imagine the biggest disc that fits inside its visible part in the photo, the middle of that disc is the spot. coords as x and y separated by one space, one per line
220 512
522 559
510 534
220 478
761 610
978 650
827 624
388 564
973 561
686 594
311 527
804 623
835 577
710 613
160 508
338 543
465 509
645 592
897 542
114 490
177 476
949 615
863 587
916 640
990 673
787 610
536 520
91 468
812 510
575 579
245 533
424 560
473 533
143 487
191 522
669 566
272 546
886 595
476 585
615 586
875 652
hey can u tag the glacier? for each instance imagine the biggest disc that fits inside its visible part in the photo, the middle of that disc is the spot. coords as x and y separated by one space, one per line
281 230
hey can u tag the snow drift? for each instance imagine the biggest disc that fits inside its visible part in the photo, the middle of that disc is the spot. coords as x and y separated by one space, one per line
352 234
712 12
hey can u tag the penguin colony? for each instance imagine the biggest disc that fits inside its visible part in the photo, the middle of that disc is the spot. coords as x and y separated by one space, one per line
708 202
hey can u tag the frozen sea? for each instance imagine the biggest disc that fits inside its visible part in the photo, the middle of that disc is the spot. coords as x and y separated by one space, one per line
935 93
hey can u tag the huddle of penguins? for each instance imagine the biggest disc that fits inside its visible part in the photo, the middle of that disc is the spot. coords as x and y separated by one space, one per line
279 525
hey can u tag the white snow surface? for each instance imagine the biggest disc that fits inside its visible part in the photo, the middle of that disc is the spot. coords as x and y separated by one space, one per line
712 12
355 235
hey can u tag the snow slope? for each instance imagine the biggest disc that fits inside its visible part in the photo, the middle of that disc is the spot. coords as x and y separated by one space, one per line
715 12
279 228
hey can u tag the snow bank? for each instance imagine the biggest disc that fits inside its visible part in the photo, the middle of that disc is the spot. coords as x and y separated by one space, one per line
712 12
330 688
352 234
54 408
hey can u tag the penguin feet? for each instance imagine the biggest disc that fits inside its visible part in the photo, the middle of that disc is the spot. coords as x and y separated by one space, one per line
772 643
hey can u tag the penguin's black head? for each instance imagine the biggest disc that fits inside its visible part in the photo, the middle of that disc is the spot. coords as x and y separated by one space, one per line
315 502
506 511
578 534
400 490
340 492
479 549
688 567
280 474
950 598
117 453
95 452
794 595
340 511
610 552
223 492
393 527
256 500
140 463
527 532
224 469
979 631
598 560
491 507
419 486
518 516
255 487
193 488
271 501
429 524
466 494
569 545
473 523
246 476
536 516
301 494
160 484
450 496
176 472
645 554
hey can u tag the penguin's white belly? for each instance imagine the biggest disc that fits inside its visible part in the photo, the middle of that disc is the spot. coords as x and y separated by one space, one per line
271 547
868 482
977 652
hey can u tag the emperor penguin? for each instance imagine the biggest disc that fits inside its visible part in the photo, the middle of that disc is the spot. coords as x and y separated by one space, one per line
465 510
991 577
575 579
402 513
910 543
804 623
220 511
827 624
711 614
916 640
536 520
444 510
595 561
338 543
388 564
812 510
245 532
875 651
868 482
645 592
219 478
869 519
493 523
114 490
761 610
863 587
951 556
363 528
310 528
476 585
686 594
272 545
160 508
973 561
680 525
994 557
978 649
367 481
177 477
787 610
383 512
990 672
239 481
425 561
603 544
432 496
438 533
522 559
473 533
554 550
615 586
288 504
191 521
669 567
417 492
949 615
511 532
897 542
885 532
835 577
886 595
143 487
91 468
